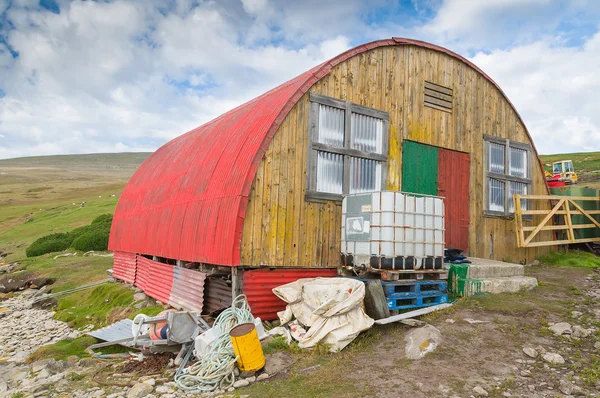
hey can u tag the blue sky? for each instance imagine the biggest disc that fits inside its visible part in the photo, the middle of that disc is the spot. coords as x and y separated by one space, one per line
113 76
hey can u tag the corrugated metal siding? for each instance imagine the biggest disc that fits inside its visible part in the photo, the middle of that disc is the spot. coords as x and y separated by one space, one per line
419 168
187 290
124 266
188 200
217 294
155 279
453 184
258 285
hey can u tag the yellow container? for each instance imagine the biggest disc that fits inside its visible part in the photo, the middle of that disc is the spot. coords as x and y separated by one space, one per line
247 348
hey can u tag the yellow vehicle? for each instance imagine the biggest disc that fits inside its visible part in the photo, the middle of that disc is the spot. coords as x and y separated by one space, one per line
562 171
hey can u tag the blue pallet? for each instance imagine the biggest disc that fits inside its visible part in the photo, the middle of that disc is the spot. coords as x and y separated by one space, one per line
414 288
416 302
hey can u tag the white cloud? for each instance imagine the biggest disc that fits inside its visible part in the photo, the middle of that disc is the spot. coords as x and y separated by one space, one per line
554 88
130 75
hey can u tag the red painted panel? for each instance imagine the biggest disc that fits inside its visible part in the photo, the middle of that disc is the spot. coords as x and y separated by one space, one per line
257 285
201 180
124 266
453 184
154 278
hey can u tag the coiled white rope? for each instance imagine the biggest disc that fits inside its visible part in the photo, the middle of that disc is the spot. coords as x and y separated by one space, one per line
216 368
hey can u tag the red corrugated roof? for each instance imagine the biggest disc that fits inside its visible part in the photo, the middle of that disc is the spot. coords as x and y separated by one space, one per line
188 200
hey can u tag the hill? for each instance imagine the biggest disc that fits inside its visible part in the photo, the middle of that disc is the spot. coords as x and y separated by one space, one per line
586 164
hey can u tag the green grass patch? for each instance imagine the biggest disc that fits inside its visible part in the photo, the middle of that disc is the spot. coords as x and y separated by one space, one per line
574 258
64 349
591 373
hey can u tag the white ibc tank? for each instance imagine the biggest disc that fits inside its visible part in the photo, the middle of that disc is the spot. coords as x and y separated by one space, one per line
393 224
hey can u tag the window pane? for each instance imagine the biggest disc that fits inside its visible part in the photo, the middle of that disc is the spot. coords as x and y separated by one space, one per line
367 133
496 195
365 175
331 126
518 162
496 158
330 172
517 188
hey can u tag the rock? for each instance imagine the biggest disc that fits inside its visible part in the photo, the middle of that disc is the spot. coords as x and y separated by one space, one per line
566 387
576 314
151 382
530 352
230 389
535 263
561 328
139 297
580 332
506 394
241 383
163 389
421 341
278 362
525 373
98 394
173 395
84 363
480 392
450 320
597 345
262 376
251 379
553 358
139 390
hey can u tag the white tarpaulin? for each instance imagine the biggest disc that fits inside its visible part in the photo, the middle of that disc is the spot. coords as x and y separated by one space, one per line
332 309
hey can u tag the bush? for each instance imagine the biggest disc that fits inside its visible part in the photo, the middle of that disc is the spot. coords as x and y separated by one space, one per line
93 240
89 237
49 243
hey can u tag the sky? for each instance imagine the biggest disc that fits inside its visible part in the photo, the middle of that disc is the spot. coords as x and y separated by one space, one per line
123 76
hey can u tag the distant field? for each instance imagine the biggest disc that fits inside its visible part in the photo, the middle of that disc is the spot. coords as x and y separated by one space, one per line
586 164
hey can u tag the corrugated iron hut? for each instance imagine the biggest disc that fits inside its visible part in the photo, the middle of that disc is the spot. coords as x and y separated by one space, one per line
259 188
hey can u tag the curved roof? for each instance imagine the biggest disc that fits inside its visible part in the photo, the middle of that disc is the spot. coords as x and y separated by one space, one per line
188 200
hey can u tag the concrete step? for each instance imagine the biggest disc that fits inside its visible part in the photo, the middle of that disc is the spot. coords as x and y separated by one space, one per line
482 269
510 284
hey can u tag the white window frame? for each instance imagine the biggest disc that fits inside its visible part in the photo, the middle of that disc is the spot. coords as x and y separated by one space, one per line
314 146
505 177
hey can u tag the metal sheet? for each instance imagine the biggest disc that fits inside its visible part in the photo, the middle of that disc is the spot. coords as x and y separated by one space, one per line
155 279
187 291
207 174
453 184
217 294
419 168
257 285
124 266
117 331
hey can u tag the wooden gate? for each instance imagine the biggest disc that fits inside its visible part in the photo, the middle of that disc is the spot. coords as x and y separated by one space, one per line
565 206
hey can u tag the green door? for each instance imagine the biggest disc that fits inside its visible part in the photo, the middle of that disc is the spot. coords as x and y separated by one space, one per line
419 168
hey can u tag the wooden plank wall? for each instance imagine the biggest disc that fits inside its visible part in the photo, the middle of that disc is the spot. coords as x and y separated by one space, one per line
282 229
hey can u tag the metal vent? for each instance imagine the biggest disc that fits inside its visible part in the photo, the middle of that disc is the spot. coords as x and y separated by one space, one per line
438 97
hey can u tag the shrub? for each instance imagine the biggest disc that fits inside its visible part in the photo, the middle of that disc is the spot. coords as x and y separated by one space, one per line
49 243
86 238
93 240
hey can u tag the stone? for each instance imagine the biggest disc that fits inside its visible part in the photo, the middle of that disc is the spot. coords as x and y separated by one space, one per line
566 387
230 389
262 376
98 394
576 314
450 320
561 328
172 395
151 382
581 332
553 358
139 390
163 389
525 373
241 383
251 379
535 263
530 352
139 297
480 392
421 341
597 345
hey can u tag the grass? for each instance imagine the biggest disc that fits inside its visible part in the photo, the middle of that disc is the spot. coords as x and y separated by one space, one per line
64 349
574 258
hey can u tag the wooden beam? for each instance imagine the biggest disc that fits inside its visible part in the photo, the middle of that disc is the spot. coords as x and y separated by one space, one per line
544 221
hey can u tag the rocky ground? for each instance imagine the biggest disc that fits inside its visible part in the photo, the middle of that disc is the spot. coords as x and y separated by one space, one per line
544 343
